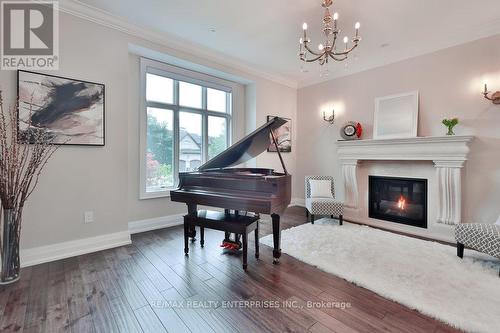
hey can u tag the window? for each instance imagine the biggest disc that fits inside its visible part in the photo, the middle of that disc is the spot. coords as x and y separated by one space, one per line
186 120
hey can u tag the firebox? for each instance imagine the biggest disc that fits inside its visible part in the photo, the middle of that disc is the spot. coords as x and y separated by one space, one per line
401 200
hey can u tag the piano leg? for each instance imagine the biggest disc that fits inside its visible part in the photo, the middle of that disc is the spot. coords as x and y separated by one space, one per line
276 238
192 210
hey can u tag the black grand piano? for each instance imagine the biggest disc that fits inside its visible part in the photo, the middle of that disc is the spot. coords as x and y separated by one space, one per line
255 190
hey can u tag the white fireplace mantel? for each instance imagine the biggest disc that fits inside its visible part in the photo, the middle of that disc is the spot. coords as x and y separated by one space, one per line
448 153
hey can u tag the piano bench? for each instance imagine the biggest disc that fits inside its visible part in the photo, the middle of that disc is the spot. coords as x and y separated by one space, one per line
231 223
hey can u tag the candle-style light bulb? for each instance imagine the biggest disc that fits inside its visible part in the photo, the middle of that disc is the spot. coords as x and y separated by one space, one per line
357 26
346 39
320 47
335 18
301 40
304 26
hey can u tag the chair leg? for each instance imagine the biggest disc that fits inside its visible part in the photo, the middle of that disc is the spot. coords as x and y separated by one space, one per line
245 249
202 236
341 220
312 218
307 214
331 216
186 238
460 250
257 241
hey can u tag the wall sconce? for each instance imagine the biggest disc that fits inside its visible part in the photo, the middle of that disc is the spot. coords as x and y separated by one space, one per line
495 97
330 119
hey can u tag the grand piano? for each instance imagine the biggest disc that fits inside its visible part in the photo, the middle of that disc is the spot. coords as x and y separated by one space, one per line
255 190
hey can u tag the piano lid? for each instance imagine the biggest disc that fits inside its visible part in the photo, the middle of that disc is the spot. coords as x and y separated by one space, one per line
247 148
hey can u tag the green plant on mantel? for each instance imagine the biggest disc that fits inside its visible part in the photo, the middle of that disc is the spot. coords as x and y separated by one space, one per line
450 123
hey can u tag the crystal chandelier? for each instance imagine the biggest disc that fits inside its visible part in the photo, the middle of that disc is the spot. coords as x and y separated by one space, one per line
329 48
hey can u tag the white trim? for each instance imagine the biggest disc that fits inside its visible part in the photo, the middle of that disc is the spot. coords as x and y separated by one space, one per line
104 18
177 73
429 148
47 253
135 227
297 202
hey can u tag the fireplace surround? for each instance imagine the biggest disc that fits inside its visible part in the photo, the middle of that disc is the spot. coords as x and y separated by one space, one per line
448 154
397 199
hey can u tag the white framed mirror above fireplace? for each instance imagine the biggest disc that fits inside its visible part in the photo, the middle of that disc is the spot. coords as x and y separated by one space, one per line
396 116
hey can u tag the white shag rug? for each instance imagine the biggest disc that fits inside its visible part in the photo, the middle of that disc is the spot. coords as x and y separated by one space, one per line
423 275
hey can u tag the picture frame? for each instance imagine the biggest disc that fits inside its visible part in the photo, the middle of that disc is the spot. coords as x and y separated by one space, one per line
70 109
283 137
396 116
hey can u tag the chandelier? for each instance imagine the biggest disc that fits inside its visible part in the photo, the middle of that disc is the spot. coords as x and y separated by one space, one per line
328 49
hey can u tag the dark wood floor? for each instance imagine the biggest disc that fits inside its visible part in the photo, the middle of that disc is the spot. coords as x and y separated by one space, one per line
126 289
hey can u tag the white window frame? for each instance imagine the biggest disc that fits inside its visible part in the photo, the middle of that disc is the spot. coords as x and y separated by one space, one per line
185 75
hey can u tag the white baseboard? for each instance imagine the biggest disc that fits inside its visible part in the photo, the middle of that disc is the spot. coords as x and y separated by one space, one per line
135 227
42 254
297 202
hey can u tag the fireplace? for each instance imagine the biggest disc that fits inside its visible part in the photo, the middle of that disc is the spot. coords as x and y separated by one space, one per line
401 200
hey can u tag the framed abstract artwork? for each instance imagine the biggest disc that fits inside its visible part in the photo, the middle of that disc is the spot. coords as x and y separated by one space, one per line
396 116
72 111
283 137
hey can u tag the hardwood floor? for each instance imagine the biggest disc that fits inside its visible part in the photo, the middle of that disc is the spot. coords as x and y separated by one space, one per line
150 286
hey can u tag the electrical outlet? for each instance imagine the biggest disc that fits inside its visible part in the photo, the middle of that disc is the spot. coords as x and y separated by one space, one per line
88 216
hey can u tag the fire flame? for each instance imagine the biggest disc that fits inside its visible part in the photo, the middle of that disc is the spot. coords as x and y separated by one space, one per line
401 203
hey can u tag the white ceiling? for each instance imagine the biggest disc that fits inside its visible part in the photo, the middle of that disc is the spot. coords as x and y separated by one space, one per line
264 33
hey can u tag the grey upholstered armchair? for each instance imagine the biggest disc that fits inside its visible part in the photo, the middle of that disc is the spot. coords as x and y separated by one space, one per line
323 205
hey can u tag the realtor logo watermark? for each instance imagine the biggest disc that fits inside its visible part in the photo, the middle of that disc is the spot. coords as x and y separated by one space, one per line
30 35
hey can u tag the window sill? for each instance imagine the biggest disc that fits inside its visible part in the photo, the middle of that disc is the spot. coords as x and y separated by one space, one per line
155 195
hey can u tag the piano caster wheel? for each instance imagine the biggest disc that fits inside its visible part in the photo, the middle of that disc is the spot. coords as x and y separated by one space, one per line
193 240
276 261
257 256
245 267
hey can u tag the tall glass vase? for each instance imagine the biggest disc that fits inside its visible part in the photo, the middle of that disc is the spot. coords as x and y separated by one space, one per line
10 265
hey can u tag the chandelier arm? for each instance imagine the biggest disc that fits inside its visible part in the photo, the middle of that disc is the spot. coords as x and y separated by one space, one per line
346 51
314 59
311 51
332 55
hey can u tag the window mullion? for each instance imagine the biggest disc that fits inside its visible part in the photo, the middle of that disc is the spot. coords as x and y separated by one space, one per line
176 145
205 137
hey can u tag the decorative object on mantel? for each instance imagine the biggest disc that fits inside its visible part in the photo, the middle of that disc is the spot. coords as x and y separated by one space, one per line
450 123
20 167
396 116
283 137
495 97
70 110
331 118
351 130
328 49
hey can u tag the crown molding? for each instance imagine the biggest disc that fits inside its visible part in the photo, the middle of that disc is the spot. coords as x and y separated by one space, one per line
104 18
